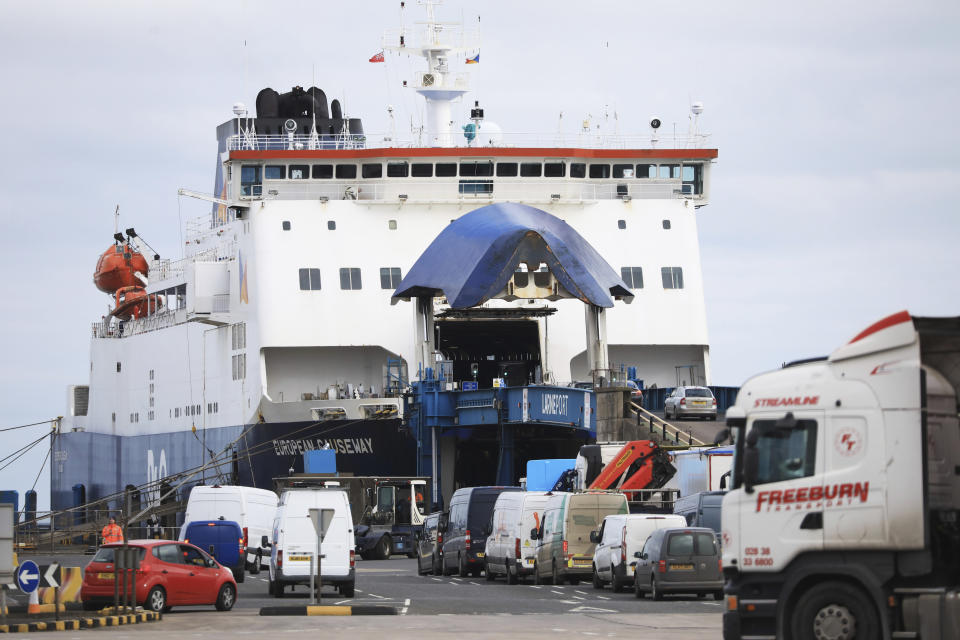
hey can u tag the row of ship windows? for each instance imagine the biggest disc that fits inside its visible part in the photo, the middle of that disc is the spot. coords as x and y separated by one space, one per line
255 174
350 278
188 410
671 277
392 225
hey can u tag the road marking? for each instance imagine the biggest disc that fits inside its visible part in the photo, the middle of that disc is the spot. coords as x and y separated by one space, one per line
406 605
556 592
591 610
578 597
534 586
580 592
476 584
373 595
603 597
437 579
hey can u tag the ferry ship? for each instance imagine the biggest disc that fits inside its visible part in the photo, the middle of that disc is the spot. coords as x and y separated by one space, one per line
284 328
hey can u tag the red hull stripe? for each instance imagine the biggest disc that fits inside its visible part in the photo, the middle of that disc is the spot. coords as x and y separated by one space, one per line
475 152
889 321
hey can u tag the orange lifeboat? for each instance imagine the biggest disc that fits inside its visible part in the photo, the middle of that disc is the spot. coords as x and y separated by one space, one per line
117 266
133 302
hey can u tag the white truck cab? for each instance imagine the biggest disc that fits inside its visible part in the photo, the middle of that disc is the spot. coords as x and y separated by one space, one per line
843 521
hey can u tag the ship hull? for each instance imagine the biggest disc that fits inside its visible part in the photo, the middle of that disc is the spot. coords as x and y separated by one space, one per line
93 466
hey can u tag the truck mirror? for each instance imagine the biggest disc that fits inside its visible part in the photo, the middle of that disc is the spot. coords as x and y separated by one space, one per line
722 437
442 524
786 422
637 555
264 541
594 536
534 534
751 461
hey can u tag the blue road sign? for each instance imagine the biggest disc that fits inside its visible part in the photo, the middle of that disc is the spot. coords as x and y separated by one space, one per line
28 576
469 385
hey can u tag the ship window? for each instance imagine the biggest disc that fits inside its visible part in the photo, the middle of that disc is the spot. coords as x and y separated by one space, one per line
299 172
398 169
346 171
633 276
151 377
578 170
531 169
554 170
599 171
216 407
250 180
666 224
646 171
672 277
350 278
623 171
151 402
286 225
446 169
332 225
421 170
309 279
322 171
481 169
389 277
392 225
621 224
274 172
372 170
507 169
118 367
692 178
670 171
476 187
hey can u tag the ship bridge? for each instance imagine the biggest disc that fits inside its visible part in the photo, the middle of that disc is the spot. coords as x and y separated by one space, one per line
496 271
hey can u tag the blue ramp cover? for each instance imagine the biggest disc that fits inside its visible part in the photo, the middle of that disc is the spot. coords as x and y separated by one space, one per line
472 259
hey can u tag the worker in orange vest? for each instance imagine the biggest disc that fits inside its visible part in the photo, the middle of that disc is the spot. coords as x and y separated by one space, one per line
112 532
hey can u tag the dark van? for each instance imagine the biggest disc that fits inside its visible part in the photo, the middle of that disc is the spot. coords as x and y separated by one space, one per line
701 509
679 561
428 545
222 539
466 529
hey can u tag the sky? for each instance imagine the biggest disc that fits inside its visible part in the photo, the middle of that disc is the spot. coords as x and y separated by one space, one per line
831 197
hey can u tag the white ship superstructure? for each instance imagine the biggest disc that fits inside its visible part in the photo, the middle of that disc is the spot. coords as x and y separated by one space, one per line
276 333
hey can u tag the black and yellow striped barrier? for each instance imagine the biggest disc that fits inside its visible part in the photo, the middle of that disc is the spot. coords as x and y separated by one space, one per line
329 610
81 623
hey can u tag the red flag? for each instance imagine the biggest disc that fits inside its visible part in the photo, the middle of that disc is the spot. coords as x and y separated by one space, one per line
377 58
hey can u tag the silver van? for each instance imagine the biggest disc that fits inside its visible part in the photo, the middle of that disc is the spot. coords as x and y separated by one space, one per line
679 561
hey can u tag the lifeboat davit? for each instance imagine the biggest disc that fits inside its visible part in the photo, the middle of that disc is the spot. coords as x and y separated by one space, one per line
134 302
117 267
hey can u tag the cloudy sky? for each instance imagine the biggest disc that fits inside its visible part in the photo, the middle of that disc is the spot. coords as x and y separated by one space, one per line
831 203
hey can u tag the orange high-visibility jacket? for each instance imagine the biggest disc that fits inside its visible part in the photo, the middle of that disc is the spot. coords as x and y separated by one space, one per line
112 533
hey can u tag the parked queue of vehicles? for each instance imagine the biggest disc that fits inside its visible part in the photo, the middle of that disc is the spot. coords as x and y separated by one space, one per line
560 537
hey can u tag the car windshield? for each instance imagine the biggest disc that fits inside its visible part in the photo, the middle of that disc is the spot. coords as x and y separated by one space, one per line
106 554
699 393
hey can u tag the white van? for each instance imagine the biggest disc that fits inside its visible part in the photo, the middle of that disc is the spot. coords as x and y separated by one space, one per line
621 536
251 508
293 544
510 549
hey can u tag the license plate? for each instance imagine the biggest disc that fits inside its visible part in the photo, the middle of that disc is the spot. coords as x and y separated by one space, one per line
105 576
479 555
699 403
299 558
681 567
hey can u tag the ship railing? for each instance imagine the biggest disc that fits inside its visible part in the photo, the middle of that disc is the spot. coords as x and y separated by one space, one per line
164 269
517 140
476 189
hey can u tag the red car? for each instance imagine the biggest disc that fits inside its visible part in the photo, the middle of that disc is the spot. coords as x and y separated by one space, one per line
170 574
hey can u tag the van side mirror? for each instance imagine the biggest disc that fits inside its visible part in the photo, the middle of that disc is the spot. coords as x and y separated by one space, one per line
264 541
722 437
535 533
594 536
638 555
442 524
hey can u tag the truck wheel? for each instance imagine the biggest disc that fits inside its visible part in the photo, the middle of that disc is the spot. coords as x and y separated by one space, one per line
637 591
512 575
239 574
834 610
462 570
537 580
382 551
347 590
718 595
255 569
420 571
655 593
436 565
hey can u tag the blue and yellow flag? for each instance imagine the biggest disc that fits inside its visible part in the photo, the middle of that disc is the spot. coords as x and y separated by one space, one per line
474 60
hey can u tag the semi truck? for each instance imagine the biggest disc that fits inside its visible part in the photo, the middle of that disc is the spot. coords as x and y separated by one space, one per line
842 520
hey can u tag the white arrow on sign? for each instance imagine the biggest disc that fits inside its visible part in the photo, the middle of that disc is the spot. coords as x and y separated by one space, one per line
25 578
50 576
